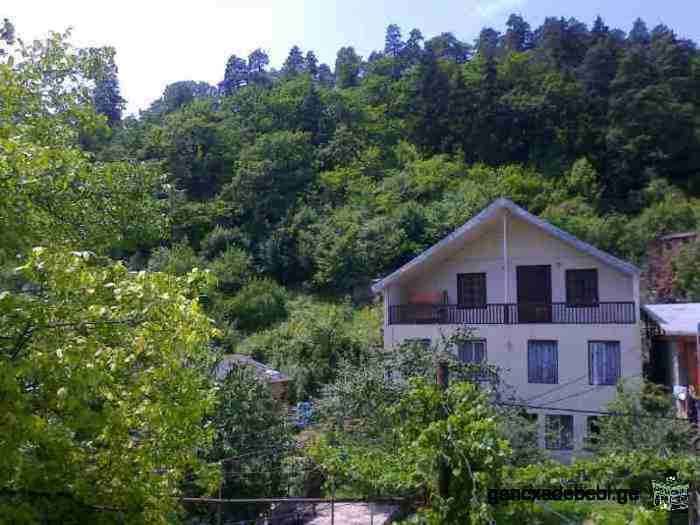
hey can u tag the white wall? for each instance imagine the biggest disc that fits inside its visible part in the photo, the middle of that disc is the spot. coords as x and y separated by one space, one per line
527 245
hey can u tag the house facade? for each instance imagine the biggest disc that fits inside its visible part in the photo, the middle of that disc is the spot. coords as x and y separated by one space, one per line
558 316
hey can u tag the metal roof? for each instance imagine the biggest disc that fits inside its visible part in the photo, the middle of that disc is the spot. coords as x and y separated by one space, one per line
490 212
262 371
676 318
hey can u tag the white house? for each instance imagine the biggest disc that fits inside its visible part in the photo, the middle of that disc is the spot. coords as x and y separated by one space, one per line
558 315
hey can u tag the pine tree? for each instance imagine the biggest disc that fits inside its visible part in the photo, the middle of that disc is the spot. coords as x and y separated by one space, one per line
347 67
235 76
311 64
294 64
639 35
393 45
518 36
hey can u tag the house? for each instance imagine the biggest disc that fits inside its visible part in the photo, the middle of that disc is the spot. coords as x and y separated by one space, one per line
557 315
279 382
674 357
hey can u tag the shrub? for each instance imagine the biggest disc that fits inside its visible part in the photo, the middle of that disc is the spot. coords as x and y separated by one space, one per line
220 239
232 269
178 259
259 304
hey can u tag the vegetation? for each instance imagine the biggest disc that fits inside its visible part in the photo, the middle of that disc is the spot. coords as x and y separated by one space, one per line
251 217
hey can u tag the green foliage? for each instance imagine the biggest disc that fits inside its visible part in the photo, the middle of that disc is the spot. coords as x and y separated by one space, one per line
686 278
232 269
258 305
50 189
313 341
98 405
250 427
651 429
178 259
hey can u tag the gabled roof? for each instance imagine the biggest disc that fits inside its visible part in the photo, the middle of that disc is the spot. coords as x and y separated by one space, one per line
486 215
675 319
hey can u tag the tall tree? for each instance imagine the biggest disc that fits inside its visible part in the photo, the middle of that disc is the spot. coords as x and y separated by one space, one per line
235 76
105 74
599 30
487 43
518 35
639 35
311 64
325 75
294 63
347 67
412 50
393 45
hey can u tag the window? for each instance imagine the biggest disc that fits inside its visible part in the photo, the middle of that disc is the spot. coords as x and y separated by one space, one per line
593 431
473 352
603 362
542 362
559 432
581 287
471 290
418 342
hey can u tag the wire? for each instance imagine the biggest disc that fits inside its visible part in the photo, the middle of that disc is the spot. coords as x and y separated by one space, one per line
585 391
556 388
597 412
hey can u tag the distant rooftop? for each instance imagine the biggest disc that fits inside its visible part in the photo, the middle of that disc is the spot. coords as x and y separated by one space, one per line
682 235
262 371
676 318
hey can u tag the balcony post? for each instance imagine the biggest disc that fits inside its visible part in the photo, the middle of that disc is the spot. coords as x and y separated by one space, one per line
506 293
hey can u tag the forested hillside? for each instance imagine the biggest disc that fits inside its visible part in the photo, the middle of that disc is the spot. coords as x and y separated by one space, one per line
327 179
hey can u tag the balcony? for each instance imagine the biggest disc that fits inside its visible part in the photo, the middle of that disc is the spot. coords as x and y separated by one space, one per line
514 313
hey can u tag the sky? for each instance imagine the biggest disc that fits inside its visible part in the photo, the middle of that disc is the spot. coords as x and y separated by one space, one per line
160 41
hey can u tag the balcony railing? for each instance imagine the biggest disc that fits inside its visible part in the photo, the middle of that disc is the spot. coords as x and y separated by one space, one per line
514 313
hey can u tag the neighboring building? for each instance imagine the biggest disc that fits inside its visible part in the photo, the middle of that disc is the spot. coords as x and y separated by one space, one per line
674 357
279 383
559 316
658 275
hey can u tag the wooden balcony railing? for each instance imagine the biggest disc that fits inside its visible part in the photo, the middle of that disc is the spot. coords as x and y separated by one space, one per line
514 313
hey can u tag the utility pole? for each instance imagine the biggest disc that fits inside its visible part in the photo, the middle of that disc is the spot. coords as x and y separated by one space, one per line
443 381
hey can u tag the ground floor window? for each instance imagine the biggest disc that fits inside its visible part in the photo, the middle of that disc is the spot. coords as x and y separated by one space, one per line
424 342
473 352
559 432
592 432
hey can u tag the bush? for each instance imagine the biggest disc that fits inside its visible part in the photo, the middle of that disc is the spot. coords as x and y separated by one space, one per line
233 268
178 259
260 304
220 239
314 340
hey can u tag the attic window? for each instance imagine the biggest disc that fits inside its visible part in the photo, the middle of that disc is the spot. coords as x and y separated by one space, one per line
471 290
582 287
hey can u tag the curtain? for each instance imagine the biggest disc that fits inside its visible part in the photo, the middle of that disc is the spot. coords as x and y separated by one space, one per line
472 352
603 362
542 362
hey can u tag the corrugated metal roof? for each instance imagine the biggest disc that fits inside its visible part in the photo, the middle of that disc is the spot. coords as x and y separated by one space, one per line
488 213
676 318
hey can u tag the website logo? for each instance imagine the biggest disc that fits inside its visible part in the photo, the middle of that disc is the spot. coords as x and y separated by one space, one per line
671 494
